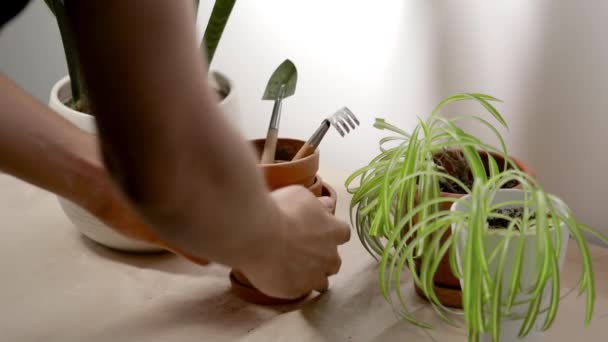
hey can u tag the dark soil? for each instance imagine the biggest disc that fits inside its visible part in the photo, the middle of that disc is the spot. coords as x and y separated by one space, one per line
513 212
501 223
455 164
451 187
222 94
79 106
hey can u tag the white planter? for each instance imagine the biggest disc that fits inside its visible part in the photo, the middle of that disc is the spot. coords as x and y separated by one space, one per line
510 326
86 223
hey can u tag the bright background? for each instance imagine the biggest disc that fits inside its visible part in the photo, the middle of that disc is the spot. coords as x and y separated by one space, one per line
548 61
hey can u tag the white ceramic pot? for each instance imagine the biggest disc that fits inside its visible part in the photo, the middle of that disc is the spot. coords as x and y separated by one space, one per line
510 326
86 223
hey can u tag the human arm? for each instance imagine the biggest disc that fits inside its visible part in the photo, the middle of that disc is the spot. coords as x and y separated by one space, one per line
40 147
179 161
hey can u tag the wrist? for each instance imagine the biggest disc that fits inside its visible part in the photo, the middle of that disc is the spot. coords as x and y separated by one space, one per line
266 240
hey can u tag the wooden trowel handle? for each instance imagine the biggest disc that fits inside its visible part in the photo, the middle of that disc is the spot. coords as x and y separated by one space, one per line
270 146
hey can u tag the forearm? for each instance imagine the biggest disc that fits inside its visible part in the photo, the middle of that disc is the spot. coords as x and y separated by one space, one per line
40 147
163 137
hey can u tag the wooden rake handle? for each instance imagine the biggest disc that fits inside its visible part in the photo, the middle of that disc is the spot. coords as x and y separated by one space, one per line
304 151
311 145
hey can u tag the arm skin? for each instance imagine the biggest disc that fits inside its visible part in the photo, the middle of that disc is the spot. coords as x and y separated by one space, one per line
179 161
42 148
182 167
163 137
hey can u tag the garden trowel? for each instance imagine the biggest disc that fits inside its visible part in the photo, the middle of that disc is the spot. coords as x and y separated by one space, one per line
281 85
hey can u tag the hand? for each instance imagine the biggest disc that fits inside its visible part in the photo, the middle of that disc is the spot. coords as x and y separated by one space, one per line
305 251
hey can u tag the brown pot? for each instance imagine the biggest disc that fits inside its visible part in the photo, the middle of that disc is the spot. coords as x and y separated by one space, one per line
317 187
447 286
245 290
284 172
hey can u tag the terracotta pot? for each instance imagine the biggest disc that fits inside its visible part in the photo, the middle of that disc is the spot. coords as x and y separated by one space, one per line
447 286
317 187
246 291
284 172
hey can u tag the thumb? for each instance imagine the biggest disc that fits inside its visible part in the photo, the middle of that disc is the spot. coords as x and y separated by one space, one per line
328 203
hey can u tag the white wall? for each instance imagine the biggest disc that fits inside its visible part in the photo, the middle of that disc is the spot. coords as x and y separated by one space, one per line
548 60
31 52
374 59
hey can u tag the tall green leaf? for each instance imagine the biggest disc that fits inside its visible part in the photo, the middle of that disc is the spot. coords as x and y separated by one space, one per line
57 7
398 217
215 28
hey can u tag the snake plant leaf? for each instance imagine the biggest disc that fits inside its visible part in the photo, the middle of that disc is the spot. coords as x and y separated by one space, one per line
51 5
215 28
57 7
286 74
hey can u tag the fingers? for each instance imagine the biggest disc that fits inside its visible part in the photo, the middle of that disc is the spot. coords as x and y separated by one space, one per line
342 232
328 203
323 282
334 267
342 228
323 285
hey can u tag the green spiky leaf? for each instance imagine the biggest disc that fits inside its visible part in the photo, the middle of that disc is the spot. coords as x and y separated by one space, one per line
216 25
400 216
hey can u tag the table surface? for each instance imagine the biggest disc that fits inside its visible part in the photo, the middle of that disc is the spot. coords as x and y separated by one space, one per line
56 285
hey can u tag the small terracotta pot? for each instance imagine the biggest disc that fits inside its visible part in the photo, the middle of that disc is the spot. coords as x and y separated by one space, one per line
245 290
317 187
284 172
447 286
280 174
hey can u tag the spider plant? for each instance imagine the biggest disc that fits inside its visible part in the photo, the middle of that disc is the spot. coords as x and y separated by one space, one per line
509 273
211 39
413 169
403 220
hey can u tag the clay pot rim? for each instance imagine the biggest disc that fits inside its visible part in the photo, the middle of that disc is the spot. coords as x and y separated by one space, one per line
520 164
290 163
331 192
252 295
317 186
